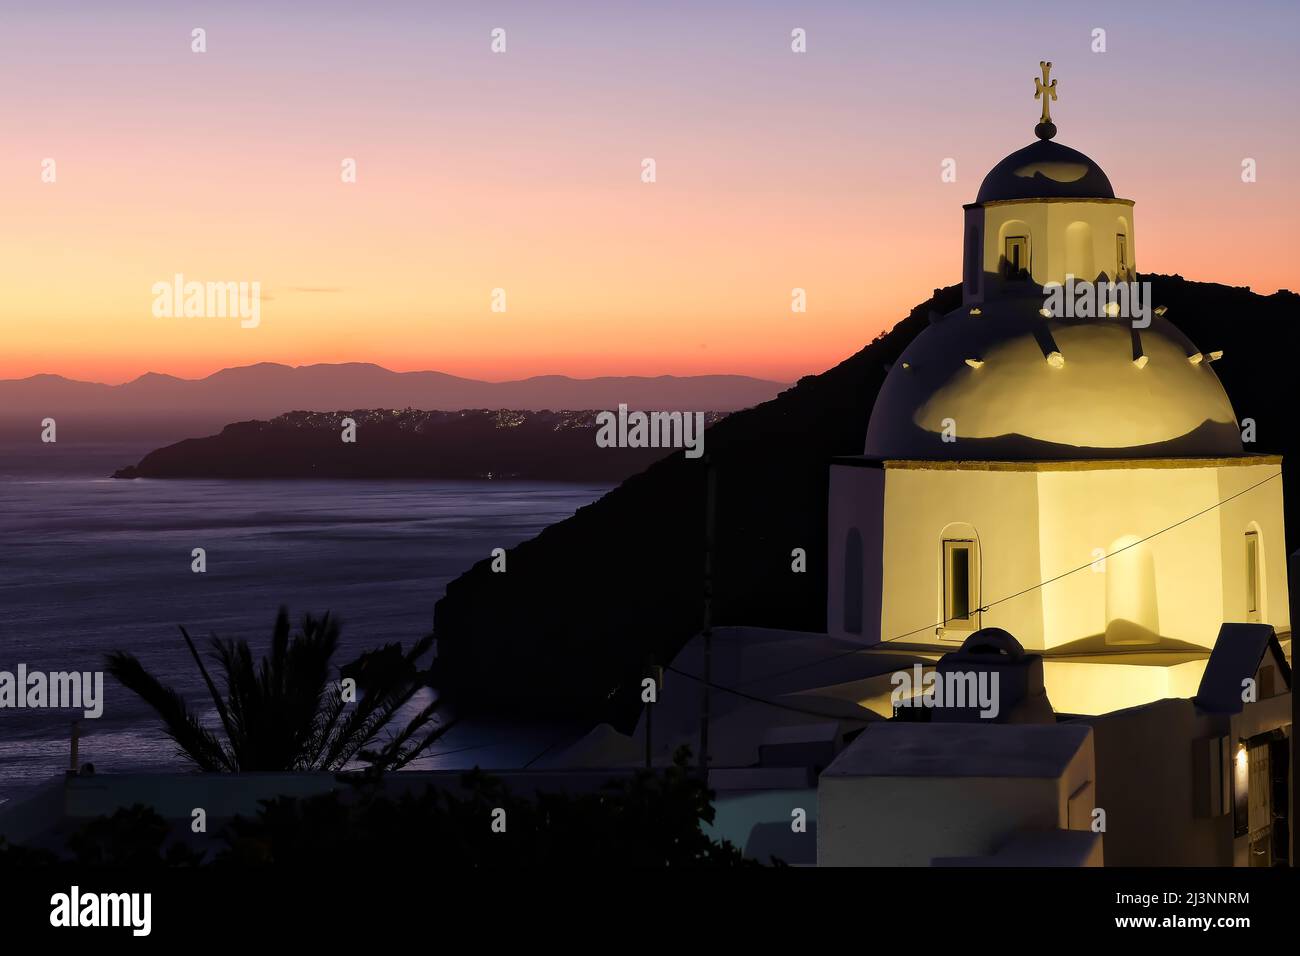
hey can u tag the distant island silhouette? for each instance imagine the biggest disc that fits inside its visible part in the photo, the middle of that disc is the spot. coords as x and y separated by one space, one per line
166 408
407 444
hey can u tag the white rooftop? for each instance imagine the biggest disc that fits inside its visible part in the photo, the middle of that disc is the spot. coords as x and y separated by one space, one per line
900 749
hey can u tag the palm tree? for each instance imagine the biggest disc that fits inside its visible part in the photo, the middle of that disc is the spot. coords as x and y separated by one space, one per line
287 713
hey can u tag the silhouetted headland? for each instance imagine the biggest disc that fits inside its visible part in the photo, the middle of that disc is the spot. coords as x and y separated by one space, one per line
405 444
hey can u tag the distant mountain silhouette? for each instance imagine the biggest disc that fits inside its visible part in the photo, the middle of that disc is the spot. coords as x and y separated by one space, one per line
168 408
589 600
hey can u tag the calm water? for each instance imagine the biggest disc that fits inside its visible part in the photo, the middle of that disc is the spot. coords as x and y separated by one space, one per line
89 564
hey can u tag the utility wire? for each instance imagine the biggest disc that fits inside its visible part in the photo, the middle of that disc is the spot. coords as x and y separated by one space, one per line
1063 574
545 750
503 742
1002 600
461 750
858 650
760 700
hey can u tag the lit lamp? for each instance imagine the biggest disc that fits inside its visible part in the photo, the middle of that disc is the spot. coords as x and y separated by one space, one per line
1241 790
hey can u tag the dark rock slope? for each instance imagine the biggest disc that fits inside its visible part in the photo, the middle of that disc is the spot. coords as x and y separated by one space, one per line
569 627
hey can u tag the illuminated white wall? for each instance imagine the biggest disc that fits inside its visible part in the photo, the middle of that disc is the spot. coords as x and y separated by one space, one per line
1000 507
1259 510
970 793
1035 521
1098 510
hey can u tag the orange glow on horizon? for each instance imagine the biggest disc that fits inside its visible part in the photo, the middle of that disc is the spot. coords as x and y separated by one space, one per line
522 173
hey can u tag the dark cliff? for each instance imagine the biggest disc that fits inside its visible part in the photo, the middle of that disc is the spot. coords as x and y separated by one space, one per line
584 604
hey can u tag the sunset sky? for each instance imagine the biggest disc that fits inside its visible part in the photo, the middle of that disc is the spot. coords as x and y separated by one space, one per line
522 171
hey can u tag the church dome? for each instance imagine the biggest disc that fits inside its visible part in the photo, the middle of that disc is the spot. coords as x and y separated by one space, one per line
1008 377
1045 170
1050 389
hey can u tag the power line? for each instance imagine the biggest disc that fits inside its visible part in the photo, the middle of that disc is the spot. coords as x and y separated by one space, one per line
1134 544
545 750
460 750
1064 574
502 742
760 700
928 627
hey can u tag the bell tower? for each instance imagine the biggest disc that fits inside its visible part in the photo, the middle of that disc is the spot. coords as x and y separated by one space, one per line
1043 214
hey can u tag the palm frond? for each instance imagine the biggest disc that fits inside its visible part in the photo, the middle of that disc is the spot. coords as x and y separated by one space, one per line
207 679
194 741
286 712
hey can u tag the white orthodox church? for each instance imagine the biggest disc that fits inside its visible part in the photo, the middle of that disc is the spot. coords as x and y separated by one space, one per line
1058 500
1042 474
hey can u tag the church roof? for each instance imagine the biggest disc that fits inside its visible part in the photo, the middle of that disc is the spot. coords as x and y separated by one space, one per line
1045 169
989 375
893 748
1238 653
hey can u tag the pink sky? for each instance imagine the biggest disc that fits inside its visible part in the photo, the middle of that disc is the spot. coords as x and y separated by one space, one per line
521 171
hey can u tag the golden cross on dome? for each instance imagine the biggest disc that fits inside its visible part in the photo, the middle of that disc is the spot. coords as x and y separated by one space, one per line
1047 92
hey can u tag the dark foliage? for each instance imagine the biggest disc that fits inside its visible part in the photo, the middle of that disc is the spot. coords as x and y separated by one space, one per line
652 819
20 857
649 820
135 837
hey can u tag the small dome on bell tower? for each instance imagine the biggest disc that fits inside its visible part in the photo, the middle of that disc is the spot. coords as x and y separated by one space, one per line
1043 214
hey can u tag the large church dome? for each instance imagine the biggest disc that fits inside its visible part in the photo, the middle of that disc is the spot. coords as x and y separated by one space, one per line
1045 170
1050 389
1017 373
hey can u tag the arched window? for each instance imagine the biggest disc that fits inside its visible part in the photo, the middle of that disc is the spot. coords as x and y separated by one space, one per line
960 584
853 582
1254 579
1125 268
1014 264
1015 258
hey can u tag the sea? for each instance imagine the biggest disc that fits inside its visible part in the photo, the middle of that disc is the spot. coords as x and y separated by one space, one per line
90 564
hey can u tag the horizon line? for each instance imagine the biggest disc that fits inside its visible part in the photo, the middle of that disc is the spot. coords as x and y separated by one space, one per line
384 368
